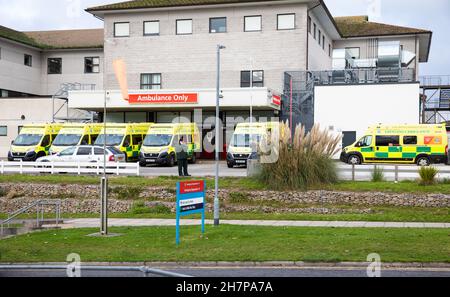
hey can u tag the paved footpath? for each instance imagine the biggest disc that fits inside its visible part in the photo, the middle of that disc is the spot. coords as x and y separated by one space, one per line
92 223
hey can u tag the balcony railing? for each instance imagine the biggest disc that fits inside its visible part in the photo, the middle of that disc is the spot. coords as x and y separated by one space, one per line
435 80
364 76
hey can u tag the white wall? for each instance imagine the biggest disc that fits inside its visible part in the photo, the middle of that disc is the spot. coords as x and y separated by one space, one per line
318 57
189 61
355 108
35 110
14 75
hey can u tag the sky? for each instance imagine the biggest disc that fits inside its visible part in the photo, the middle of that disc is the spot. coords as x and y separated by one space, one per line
434 15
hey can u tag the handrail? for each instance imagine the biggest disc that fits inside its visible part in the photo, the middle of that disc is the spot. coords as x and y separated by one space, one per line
144 269
37 204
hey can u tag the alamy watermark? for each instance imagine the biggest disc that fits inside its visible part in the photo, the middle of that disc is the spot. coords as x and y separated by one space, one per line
374 268
74 267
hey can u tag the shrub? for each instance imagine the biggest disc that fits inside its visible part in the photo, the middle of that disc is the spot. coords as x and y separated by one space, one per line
304 161
428 175
377 174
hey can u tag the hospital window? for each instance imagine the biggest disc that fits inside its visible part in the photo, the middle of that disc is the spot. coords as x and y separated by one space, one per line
184 27
122 29
252 23
91 65
286 21
217 25
28 60
252 79
151 28
151 81
54 65
3 131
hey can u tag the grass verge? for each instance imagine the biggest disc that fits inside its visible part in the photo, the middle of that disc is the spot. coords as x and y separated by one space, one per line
380 214
230 183
231 243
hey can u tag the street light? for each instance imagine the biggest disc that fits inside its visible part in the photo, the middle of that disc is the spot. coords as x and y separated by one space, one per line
217 139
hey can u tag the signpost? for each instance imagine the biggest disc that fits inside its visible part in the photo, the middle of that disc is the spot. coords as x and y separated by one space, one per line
190 200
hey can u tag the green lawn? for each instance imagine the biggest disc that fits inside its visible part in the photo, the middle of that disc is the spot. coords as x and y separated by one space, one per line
232 243
241 183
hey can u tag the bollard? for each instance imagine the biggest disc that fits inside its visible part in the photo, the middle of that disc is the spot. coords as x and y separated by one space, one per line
396 173
353 172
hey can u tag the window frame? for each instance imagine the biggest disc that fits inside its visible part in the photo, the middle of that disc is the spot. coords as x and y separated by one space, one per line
309 24
253 16
323 41
121 36
287 14
387 136
6 131
218 18
252 82
354 47
93 65
25 56
151 84
315 31
410 136
320 37
151 34
183 20
48 66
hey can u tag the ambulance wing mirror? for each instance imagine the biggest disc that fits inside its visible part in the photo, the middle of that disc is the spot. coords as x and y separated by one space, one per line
12 142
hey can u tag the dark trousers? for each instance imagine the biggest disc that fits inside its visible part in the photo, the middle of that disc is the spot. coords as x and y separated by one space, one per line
183 167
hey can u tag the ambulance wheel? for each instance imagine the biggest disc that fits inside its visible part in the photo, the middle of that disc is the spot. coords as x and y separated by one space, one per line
354 160
423 161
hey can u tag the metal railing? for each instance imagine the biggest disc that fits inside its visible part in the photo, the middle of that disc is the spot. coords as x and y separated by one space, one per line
435 80
394 173
364 76
146 271
69 167
39 204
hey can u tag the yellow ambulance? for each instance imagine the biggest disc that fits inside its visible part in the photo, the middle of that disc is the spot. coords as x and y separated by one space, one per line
127 138
72 134
33 142
160 144
246 140
404 144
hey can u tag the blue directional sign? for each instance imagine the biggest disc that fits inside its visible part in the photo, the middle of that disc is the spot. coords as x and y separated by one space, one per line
190 200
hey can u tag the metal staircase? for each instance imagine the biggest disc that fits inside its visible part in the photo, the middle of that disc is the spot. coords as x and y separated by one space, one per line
74 115
435 99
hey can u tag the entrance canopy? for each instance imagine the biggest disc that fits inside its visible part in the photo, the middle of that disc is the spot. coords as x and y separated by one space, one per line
154 100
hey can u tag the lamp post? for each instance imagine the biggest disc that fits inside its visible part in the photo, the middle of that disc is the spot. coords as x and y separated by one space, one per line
217 139
104 180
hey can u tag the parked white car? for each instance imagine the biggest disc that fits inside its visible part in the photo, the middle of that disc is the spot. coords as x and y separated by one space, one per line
85 153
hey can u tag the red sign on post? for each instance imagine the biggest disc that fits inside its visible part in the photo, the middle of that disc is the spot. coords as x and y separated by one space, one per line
192 187
182 98
276 100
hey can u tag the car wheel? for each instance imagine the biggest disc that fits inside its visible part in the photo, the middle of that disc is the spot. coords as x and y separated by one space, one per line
423 161
354 160
230 165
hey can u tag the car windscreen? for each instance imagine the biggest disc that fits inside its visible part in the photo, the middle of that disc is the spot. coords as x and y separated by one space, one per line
67 139
158 140
111 139
245 140
28 139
